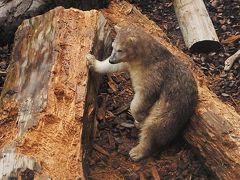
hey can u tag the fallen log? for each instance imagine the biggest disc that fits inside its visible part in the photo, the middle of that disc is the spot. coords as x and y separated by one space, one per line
196 26
214 130
48 97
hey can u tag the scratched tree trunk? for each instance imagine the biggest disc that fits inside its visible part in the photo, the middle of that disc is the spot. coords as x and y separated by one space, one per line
196 26
215 128
49 98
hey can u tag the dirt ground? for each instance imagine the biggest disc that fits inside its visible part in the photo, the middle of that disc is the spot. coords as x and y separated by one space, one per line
115 133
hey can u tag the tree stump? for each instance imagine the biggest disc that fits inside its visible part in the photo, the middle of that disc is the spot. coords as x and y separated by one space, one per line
49 97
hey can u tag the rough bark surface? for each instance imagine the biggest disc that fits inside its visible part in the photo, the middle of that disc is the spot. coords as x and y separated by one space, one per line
48 95
214 130
196 25
13 12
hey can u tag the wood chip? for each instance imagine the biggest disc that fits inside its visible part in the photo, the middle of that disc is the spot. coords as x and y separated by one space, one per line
110 115
112 84
225 95
101 113
95 129
127 125
155 173
141 176
230 61
101 150
231 39
121 109
90 109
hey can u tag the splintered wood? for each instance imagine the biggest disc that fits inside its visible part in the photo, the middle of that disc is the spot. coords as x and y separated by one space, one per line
46 94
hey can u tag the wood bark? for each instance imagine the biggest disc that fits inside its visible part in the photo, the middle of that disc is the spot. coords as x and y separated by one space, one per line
48 99
196 26
215 128
13 12
83 4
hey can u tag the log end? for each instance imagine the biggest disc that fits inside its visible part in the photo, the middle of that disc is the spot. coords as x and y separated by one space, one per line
206 46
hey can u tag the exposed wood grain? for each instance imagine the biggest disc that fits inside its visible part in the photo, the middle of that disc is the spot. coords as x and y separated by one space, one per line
50 96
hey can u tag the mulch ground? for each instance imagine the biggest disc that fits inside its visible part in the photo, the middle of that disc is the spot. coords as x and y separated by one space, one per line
115 133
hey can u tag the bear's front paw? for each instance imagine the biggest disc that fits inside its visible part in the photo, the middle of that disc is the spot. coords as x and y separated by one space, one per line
138 152
90 59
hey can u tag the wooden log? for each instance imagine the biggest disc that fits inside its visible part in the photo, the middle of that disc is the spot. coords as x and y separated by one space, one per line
49 97
214 129
13 12
196 26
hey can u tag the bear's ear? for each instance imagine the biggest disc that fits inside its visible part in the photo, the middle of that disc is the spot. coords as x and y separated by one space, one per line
117 28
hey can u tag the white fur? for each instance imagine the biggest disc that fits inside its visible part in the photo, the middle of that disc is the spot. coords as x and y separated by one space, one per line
104 67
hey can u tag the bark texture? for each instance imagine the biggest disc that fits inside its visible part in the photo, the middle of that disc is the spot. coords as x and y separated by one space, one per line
196 26
13 12
49 96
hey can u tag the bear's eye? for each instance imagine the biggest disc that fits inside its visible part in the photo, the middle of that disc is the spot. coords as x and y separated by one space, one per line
119 50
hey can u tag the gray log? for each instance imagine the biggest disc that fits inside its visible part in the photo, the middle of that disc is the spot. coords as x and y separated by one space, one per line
196 26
